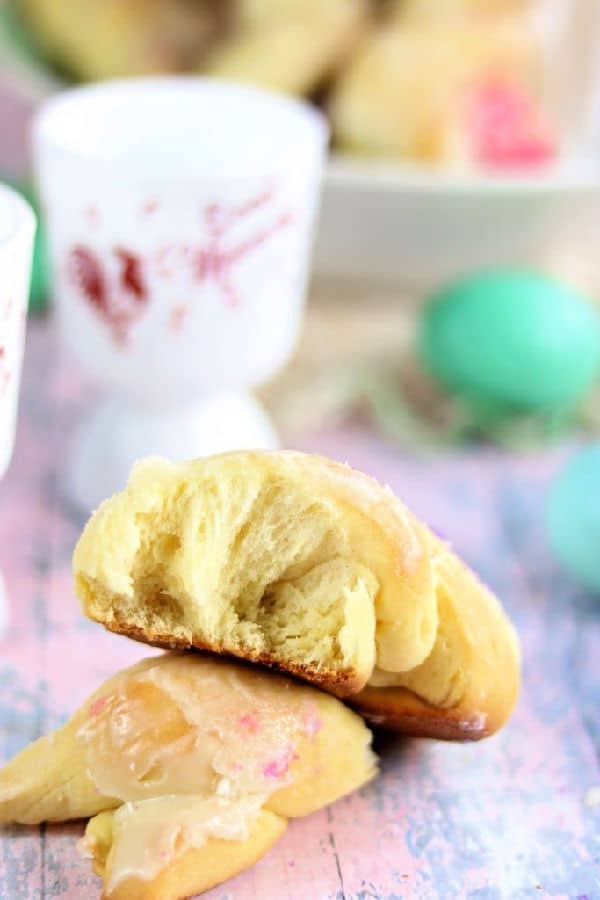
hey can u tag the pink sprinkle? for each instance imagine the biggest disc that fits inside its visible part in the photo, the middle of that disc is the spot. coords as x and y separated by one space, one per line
291 863
506 128
249 722
276 768
98 705
311 724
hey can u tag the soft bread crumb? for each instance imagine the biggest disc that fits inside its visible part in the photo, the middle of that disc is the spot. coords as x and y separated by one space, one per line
245 562
201 553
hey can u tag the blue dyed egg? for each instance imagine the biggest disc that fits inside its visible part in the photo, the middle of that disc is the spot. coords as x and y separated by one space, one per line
512 340
574 517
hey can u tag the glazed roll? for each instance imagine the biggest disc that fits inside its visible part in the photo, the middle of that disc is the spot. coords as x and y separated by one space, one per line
462 94
191 767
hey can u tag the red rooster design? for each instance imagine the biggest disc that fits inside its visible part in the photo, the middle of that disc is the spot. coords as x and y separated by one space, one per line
216 261
121 301
116 287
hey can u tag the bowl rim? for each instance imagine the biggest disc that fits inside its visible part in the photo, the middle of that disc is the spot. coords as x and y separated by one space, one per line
574 174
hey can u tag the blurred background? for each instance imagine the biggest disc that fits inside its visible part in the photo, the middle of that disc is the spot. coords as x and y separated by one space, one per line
450 346
464 137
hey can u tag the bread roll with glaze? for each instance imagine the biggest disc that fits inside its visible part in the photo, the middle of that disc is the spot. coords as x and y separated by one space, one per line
456 93
137 864
302 564
288 45
117 38
191 726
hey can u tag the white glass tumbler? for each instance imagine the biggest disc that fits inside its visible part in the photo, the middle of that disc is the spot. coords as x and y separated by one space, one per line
181 215
17 229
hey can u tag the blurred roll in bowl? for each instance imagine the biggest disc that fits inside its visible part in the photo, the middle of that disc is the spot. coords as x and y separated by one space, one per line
463 131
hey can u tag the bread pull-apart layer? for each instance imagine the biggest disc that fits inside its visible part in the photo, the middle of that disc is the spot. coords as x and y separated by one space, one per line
190 766
303 564
429 92
280 558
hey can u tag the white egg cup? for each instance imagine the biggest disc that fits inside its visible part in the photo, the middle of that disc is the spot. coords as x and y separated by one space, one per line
17 229
181 214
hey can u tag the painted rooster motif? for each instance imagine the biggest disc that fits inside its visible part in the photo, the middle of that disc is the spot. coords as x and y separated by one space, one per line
119 299
117 287
216 261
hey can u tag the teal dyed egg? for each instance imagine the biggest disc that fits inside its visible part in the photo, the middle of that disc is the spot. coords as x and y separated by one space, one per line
512 339
574 517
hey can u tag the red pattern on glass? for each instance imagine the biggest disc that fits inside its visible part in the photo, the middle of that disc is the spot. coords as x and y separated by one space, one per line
215 262
92 214
131 274
166 260
121 301
85 271
150 207
506 128
177 318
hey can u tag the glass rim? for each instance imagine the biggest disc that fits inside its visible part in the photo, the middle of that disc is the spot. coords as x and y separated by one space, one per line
46 128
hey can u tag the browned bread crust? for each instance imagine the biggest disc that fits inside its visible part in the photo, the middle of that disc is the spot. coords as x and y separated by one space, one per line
342 684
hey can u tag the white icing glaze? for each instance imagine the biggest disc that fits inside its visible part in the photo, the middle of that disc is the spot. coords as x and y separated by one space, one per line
149 835
193 746
185 725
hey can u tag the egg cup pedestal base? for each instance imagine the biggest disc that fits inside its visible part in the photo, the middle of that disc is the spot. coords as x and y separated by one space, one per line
117 434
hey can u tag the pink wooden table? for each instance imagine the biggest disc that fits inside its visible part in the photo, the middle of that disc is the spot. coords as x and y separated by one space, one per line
513 817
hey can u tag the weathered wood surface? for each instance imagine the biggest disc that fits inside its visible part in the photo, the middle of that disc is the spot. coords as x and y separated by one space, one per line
510 818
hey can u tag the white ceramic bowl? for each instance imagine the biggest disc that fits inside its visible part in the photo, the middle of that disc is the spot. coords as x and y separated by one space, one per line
417 226
180 214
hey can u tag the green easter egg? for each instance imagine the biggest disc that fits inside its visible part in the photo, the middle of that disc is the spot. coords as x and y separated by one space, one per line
512 340
574 517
